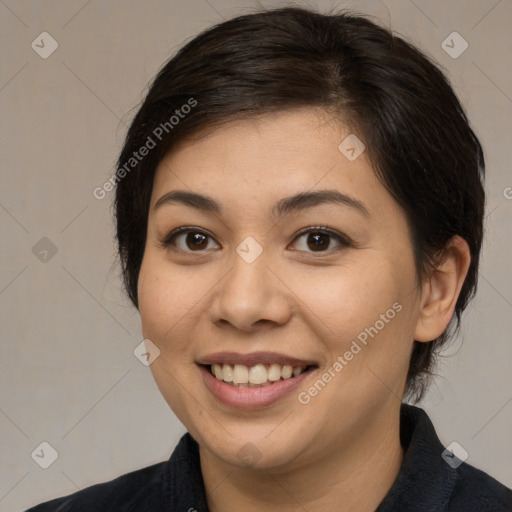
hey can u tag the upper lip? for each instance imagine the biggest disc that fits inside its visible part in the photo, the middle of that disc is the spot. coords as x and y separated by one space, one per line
252 359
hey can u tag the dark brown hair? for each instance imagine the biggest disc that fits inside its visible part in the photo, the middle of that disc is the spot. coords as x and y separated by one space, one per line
415 130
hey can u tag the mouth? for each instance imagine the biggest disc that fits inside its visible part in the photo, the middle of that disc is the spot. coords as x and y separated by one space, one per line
253 380
256 376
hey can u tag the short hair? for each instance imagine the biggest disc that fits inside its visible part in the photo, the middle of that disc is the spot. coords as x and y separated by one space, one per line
416 132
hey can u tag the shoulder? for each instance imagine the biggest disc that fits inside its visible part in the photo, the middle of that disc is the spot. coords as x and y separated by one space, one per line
137 490
432 477
476 490
174 484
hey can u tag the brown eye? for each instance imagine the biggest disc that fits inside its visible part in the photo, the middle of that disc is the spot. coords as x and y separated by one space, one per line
320 240
196 241
188 240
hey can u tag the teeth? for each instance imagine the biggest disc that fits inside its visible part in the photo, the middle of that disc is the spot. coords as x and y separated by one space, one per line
286 372
259 375
240 374
274 372
297 371
217 371
227 373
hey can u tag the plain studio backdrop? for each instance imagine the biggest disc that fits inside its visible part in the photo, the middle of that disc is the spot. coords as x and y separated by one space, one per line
72 74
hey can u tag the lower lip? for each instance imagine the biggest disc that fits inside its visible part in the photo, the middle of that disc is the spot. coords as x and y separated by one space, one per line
250 398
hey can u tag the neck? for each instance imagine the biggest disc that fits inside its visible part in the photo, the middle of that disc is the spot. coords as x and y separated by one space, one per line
355 476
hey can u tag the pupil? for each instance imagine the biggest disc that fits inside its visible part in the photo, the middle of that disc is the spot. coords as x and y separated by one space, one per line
320 241
198 240
318 237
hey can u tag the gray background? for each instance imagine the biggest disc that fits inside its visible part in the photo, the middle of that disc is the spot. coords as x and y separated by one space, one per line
68 374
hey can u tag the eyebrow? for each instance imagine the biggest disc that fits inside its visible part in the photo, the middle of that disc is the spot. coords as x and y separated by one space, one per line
283 207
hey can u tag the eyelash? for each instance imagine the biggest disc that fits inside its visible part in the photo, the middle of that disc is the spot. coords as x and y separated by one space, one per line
325 230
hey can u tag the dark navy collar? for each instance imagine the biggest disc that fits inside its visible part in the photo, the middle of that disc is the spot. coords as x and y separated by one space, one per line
425 482
183 480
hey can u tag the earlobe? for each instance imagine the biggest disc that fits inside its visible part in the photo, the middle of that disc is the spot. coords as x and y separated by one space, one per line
441 290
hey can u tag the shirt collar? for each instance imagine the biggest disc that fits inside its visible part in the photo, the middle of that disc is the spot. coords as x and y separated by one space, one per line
424 483
183 484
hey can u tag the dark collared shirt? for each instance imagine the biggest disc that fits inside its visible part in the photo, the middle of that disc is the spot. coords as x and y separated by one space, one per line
428 481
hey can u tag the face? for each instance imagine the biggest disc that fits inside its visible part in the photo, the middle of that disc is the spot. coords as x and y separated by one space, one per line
260 286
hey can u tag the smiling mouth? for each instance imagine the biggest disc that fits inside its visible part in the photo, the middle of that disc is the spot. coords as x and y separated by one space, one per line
256 376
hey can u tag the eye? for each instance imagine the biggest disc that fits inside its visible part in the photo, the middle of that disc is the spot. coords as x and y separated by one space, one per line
319 238
188 239
316 239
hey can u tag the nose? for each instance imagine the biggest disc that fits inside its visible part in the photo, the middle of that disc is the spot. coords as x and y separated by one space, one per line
251 297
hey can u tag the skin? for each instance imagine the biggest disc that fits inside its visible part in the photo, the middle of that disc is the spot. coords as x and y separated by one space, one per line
341 451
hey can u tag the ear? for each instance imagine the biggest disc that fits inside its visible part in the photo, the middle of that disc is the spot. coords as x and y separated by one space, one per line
441 289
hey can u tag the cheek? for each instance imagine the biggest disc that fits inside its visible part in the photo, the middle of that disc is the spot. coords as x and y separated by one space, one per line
166 302
362 313
349 297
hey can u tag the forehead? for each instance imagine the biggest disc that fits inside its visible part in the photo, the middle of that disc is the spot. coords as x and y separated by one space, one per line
258 161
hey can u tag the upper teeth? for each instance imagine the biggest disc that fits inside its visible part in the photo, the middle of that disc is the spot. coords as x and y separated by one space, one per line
256 376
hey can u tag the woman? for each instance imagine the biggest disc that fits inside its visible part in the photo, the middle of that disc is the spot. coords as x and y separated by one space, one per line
299 208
